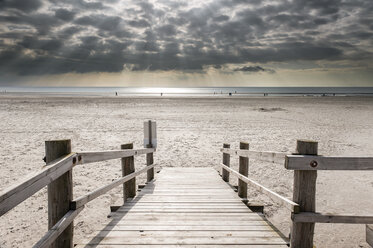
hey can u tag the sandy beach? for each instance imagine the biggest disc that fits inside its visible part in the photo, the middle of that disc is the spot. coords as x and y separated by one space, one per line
190 133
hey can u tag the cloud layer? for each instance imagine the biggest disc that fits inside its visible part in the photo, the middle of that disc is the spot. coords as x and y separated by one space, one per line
40 37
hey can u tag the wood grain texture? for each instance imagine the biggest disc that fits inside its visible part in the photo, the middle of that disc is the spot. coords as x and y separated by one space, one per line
186 207
305 217
60 193
128 167
304 193
243 169
306 162
57 229
226 161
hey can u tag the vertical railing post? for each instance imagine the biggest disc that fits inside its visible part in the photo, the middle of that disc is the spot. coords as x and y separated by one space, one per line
226 161
149 134
128 167
304 193
243 169
60 192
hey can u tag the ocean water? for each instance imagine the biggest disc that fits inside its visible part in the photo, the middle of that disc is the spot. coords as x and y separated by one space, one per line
195 91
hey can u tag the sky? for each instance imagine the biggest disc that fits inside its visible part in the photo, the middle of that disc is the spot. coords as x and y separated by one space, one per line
182 43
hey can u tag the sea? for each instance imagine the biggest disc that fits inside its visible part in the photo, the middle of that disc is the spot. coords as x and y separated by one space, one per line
188 91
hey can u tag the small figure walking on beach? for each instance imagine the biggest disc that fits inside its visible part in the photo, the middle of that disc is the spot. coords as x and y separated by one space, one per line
116 93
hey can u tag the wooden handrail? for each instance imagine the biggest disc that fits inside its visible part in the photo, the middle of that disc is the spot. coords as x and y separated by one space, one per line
57 229
92 157
269 156
14 195
81 201
306 162
294 207
307 217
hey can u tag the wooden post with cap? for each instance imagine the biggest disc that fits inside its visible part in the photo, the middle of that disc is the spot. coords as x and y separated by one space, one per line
149 156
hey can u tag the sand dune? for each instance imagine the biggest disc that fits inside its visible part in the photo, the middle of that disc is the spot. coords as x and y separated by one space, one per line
190 133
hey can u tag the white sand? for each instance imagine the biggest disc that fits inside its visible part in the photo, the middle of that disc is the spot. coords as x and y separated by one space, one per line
190 133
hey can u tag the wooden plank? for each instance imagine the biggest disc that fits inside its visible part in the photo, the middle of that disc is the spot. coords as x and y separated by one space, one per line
304 193
14 195
144 240
294 207
369 234
268 156
305 217
57 229
181 245
91 157
304 162
188 228
93 195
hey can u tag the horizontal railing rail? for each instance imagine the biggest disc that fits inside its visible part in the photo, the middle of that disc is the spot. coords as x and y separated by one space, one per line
82 200
14 195
274 157
57 229
307 162
311 217
294 207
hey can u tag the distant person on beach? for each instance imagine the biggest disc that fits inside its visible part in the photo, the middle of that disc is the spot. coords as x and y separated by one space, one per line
116 93
161 94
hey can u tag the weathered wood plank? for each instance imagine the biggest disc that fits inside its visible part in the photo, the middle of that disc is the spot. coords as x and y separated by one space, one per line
14 195
275 240
57 229
304 162
93 195
183 246
272 195
331 218
91 157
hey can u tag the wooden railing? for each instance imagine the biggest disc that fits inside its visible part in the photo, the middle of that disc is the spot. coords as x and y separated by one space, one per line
57 175
305 164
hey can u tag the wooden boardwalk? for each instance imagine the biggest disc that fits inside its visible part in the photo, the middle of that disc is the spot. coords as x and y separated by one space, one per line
186 207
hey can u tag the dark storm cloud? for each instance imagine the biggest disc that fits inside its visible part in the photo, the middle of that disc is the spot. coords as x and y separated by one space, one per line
253 69
65 14
67 36
25 6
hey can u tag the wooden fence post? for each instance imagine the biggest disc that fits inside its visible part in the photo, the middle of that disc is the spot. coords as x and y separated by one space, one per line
60 192
149 161
128 167
304 193
243 169
149 156
226 161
